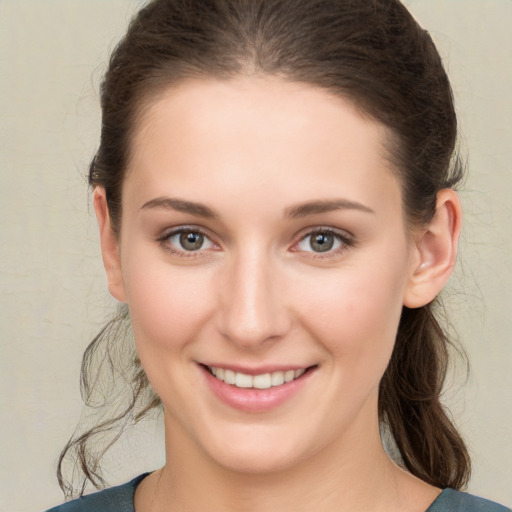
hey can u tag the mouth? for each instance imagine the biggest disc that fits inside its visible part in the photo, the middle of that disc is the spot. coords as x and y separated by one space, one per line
256 390
260 381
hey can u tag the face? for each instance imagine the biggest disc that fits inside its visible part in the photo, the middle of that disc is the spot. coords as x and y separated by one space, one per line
265 259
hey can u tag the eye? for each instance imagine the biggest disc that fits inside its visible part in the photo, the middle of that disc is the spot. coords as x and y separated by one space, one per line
323 241
186 240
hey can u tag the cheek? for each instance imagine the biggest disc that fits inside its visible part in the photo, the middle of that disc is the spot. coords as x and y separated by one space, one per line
169 307
355 315
168 304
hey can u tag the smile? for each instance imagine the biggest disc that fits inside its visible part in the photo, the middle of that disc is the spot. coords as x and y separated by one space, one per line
262 381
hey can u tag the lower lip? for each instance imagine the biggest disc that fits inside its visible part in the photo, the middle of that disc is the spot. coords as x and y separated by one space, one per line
255 400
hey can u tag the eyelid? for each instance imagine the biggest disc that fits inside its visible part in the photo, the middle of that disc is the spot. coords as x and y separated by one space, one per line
347 240
168 233
310 230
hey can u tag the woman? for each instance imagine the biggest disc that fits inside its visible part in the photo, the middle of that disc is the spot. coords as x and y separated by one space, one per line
275 196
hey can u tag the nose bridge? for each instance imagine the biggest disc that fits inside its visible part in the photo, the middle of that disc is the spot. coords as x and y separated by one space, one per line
253 310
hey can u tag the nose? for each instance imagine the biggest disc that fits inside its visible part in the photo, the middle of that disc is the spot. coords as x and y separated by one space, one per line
253 309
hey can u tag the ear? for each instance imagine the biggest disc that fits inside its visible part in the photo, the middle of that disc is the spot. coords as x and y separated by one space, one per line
109 246
435 251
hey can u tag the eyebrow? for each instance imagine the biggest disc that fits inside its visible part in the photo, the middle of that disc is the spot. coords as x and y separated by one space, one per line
180 205
323 206
292 212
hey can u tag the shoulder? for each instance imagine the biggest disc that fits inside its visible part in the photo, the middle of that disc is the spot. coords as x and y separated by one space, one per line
114 499
455 501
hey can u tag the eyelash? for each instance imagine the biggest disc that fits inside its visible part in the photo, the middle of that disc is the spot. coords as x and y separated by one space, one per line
344 239
164 241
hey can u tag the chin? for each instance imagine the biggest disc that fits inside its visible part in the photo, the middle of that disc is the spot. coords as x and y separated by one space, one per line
255 459
256 449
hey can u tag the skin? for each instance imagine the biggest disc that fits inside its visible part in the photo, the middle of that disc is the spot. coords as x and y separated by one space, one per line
252 150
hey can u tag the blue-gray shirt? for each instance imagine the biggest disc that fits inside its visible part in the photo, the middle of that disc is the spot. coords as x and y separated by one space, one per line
120 499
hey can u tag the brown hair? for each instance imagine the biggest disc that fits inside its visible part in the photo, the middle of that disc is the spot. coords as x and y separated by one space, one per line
370 51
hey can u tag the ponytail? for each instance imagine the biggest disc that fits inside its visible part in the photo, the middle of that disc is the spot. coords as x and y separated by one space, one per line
410 402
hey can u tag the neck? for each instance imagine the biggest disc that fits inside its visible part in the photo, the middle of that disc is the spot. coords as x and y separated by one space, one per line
353 474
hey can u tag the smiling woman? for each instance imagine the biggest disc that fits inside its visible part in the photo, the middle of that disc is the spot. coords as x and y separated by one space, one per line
255 293
274 194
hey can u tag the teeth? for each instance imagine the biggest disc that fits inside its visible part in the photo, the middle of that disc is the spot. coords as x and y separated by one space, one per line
289 376
242 380
229 377
263 381
277 378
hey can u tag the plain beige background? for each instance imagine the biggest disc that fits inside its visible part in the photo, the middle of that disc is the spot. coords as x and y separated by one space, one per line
53 295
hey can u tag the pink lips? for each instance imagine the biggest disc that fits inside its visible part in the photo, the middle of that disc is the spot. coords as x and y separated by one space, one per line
255 400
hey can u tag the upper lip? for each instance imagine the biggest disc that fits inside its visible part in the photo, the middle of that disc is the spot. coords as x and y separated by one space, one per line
259 370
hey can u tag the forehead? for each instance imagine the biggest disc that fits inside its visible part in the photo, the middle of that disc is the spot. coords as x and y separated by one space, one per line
235 136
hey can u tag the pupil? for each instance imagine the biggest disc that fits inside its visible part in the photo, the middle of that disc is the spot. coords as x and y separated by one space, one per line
322 242
191 241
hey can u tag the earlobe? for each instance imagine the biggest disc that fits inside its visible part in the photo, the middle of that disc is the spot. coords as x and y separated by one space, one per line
109 246
435 251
